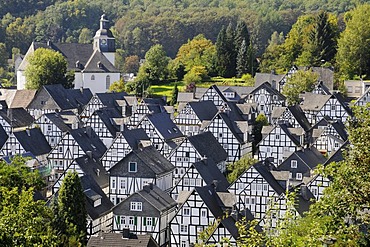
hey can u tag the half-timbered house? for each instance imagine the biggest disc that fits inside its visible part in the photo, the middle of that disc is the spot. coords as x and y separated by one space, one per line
162 131
3 137
290 114
14 119
138 168
195 148
107 123
147 211
74 144
126 141
147 106
363 99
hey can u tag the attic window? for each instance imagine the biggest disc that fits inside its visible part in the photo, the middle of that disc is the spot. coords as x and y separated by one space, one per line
293 164
132 167
136 206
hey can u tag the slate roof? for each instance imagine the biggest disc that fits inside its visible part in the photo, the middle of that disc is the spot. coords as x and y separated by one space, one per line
3 136
18 98
313 102
289 131
311 157
264 169
205 110
107 115
300 116
150 156
59 121
110 239
32 140
343 102
184 97
165 126
304 199
88 140
209 171
323 87
109 99
134 136
98 63
81 96
232 126
240 91
94 169
326 76
261 78
337 125
268 88
17 117
92 191
208 146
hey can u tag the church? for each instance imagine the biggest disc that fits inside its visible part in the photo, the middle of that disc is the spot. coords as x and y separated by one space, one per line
92 64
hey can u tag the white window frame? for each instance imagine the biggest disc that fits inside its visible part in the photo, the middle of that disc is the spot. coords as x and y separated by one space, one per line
136 206
129 166
299 176
293 164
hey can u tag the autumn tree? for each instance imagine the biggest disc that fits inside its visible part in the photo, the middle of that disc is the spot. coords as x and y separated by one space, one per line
132 64
299 82
46 67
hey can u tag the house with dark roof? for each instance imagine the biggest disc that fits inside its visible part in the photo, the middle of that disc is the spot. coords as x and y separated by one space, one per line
301 164
14 119
125 141
74 144
85 165
3 137
92 64
266 98
194 116
126 238
200 173
98 207
124 103
29 140
328 135
316 106
198 209
145 107
147 211
364 98
290 114
321 88
55 98
280 142
162 131
107 123
222 94
55 125
195 148
272 78
138 168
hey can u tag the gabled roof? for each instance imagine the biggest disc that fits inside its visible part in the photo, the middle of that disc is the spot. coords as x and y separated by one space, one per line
18 98
107 115
150 156
304 198
311 157
109 99
264 169
183 97
338 155
165 126
313 102
240 91
60 96
94 169
261 78
205 110
81 96
93 191
232 126
98 63
207 146
326 76
209 171
88 140
268 88
300 116
17 117
323 87
32 140
338 125
134 136
343 102
57 119
288 130
116 240
3 136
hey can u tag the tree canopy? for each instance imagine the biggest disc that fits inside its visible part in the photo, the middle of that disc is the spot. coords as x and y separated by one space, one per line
45 67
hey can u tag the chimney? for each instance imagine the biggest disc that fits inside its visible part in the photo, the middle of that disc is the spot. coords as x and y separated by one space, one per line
89 154
81 90
125 233
28 132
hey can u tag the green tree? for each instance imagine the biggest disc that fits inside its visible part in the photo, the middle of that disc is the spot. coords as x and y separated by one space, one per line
222 53
301 81
261 121
155 64
132 64
174 93
45 67
340 216
241 35
353 56
242 60
3 56
85 36
234 170
117 86
72 211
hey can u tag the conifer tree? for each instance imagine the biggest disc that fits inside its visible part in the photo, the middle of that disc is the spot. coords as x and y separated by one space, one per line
72 211
221 51
242 60
241 34
175 92
231 52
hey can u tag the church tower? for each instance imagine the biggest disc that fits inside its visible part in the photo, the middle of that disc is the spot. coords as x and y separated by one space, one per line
104 40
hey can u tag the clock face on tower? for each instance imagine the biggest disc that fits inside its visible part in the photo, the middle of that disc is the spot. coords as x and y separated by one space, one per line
103 41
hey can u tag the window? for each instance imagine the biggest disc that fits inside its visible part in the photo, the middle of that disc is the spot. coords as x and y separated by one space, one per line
92 77
357 89
186 181
333 107
183 243
49 127
123 220
293 164
186 211
149 221
203 213
261 107
350 89
132 167
60 149
113 183
107 82
299 176
336 145
131 220
277 137
183 228
136 206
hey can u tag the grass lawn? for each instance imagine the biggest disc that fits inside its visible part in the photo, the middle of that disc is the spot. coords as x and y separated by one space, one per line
166 89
